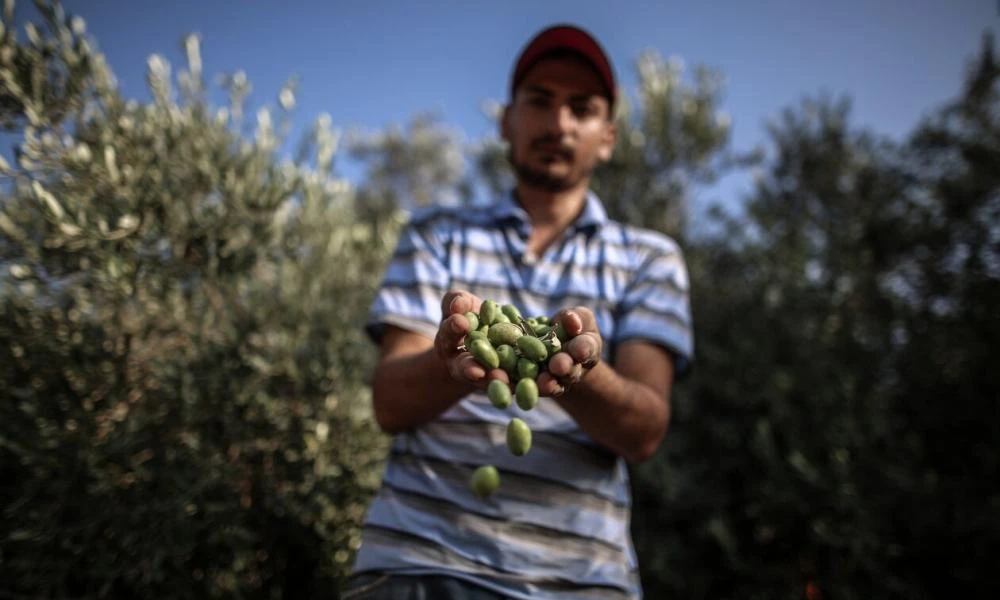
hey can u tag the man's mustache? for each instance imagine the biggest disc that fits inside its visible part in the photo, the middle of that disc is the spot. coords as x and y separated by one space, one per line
552 143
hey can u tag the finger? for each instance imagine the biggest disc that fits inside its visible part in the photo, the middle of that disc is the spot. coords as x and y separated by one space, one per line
459 302
469 369
572 322
574 376
458 325
560 364
451 333
587 318
455 302
548 386
498 374
584 349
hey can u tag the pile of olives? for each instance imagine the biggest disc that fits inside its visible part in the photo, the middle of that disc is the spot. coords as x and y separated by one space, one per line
501 338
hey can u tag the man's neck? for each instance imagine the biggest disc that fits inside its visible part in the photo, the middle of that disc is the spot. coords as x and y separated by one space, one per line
552 211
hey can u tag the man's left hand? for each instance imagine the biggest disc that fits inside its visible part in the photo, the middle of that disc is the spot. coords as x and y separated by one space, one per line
578 355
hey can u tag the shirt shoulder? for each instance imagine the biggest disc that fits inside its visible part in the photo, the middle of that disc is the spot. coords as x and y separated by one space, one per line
638 244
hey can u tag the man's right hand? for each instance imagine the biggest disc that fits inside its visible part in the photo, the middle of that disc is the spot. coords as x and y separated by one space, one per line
451 336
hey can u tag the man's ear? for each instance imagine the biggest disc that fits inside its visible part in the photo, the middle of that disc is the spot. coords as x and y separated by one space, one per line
608 139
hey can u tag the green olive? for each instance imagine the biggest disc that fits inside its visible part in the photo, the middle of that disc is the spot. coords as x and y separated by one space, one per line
504 333
484 481
532 348
527 393
526 368
518 437
498 393
488 312
472 335
508 358
540 329
484 353
512 313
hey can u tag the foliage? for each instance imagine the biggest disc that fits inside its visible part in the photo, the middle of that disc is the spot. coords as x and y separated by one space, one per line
185 381
672 139
405 169
833 441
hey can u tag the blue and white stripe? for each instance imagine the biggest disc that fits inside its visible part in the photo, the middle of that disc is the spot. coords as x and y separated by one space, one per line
558 527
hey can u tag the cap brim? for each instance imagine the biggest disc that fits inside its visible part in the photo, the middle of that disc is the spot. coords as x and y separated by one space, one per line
566 37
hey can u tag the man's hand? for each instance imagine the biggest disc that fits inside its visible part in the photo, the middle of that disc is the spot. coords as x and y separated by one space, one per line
451 335
578 355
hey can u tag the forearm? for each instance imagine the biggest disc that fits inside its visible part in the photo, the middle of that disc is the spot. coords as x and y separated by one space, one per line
628 417
412 389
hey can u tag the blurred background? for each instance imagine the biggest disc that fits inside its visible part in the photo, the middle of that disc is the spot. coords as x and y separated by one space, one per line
197 200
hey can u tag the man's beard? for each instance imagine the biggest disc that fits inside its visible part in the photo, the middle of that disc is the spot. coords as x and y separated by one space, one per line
540 179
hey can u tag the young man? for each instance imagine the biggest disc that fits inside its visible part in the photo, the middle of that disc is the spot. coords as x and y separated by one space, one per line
558 526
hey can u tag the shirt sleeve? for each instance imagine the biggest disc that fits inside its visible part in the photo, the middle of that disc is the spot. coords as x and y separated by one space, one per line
415 281
656 308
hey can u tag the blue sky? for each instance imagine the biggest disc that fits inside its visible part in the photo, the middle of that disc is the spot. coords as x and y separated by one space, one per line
376 63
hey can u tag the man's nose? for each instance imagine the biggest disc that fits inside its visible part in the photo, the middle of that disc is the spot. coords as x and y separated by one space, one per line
561 119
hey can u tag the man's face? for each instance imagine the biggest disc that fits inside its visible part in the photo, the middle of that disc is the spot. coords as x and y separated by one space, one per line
558 126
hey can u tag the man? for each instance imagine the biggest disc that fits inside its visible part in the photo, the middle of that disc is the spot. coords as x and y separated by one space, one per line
558 526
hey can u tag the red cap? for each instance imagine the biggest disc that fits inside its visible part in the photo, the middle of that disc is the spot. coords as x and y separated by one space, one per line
565 37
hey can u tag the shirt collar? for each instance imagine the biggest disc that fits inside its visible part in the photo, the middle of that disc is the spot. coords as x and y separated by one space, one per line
593 215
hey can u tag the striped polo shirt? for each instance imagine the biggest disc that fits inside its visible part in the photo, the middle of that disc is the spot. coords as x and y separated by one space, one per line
558 526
